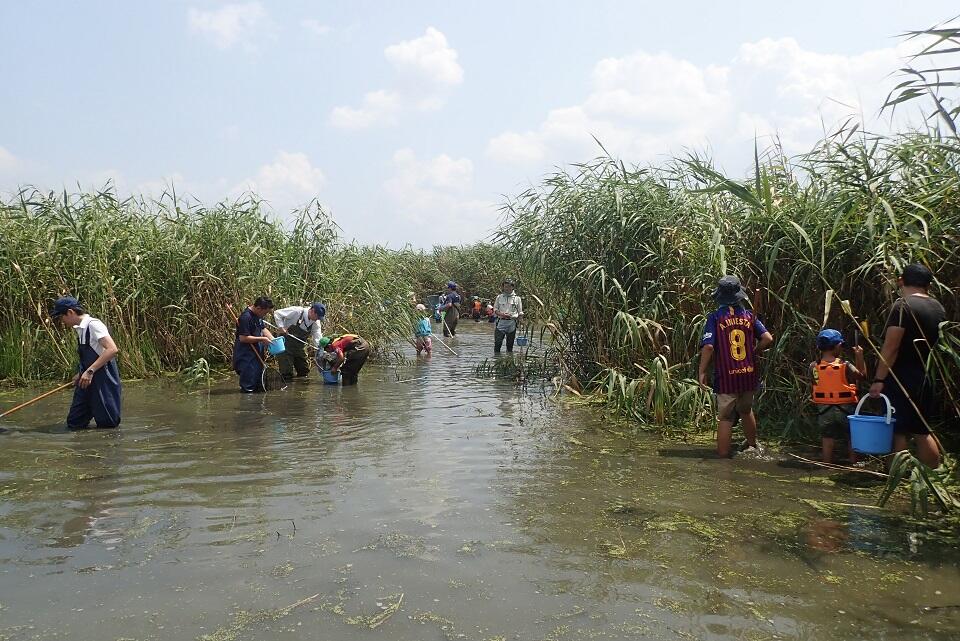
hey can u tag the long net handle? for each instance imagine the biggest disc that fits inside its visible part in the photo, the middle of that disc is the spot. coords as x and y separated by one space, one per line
39 398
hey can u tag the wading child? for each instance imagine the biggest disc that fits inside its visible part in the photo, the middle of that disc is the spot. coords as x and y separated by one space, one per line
423 332
732 339
97 392
835 390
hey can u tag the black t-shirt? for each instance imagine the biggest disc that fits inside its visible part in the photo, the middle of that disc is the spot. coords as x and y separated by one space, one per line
920 318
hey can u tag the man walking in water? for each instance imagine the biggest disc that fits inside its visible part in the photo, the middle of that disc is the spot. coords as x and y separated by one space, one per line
913 328
732 338
450 308
96 394
507 309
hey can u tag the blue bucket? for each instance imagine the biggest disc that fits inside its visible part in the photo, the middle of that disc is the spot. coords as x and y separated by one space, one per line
277 346
522 341
329 377
872 434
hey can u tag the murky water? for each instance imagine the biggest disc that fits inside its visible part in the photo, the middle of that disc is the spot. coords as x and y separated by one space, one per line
441 508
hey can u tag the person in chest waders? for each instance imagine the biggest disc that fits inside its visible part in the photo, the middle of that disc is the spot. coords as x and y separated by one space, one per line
301 323
451 310
251 334
346 354
97 392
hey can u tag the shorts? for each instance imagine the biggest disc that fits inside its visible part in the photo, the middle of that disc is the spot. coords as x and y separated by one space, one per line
729 405
832 420
908 421
424 343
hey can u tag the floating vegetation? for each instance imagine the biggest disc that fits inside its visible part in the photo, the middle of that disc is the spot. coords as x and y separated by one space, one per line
520 368
389 605
402 545
245 619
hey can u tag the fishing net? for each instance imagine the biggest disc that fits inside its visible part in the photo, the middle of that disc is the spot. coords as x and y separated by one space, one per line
272 380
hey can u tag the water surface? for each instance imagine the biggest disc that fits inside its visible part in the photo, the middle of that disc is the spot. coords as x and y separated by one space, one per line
446 507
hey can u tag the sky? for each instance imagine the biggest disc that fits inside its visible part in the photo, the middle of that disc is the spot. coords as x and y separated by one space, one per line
412 122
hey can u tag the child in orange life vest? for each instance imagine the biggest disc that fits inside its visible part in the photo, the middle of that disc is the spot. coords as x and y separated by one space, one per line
835 390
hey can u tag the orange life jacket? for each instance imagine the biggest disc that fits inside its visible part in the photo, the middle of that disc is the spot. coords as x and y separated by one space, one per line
830 386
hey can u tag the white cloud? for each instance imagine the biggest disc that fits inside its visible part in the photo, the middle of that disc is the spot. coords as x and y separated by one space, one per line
426 69
378 108
434 200
642 104
8 162
229 25
315 27
290 177
429 57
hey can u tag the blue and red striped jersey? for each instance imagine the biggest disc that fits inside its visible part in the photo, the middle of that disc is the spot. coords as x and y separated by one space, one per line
733 332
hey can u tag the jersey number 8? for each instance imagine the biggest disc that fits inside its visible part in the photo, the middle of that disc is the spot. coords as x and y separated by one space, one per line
738 345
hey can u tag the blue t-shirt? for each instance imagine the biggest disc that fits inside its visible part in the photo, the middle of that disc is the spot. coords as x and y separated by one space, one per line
423 327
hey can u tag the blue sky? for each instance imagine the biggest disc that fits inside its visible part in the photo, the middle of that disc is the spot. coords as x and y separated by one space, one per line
410 121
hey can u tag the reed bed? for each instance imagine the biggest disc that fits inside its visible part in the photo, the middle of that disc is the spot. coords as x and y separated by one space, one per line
161 272
628 256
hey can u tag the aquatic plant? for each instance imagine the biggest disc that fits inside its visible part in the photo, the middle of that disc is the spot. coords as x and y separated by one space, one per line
925 485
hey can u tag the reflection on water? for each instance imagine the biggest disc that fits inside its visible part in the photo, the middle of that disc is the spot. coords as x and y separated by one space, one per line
440 508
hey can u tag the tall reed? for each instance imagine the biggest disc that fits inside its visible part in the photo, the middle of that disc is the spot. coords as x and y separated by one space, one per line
629 255
161 272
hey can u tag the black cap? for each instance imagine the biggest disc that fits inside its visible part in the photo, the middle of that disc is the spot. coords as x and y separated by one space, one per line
729 291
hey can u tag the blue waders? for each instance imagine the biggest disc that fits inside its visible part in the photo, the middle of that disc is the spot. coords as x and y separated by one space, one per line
101 400
246 364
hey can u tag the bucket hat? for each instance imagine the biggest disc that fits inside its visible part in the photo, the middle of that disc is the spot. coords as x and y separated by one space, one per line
729 291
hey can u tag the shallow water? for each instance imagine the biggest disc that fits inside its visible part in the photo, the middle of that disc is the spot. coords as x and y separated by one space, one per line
442 508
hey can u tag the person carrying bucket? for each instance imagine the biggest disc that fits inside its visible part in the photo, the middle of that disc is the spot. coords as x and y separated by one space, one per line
423 332
450 306
347 355
835 390
251 333
302 324
97 388
508 310
732 338
913 328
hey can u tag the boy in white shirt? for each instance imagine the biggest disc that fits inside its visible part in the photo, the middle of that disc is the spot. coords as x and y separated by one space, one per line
97 392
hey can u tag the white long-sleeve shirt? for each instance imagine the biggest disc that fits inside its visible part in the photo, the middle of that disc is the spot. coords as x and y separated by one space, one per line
509 304
297 317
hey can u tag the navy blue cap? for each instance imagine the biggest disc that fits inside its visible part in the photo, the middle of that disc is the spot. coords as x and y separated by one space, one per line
829 338
64 304
319 309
